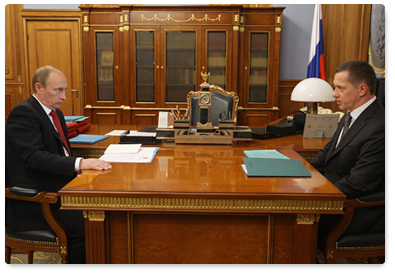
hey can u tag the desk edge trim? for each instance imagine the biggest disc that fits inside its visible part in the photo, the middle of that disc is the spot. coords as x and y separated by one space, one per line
198 204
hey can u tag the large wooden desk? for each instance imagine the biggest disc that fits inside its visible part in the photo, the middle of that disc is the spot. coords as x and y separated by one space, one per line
305 147
194 204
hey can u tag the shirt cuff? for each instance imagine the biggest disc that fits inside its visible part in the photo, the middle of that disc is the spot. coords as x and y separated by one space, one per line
77 164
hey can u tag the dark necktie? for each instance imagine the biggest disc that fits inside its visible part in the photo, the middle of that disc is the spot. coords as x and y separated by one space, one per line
347 121
58 126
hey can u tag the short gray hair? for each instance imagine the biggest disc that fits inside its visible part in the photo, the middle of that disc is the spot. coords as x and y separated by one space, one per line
41 75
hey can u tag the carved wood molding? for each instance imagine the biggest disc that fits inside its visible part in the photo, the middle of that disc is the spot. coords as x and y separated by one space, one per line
169 18
194 204
94 215
307 219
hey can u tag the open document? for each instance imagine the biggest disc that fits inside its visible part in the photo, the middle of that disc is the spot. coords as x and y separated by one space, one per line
129 153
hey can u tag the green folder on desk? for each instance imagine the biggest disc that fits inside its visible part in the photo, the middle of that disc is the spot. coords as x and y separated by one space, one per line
69 119
275 167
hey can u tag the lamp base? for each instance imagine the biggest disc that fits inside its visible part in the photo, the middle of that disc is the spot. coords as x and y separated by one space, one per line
312 107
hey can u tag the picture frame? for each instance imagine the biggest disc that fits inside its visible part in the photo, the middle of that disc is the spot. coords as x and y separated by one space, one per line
107 58
320 125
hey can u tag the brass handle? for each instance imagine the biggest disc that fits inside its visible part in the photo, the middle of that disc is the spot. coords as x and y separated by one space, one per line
161 67
157 67
245 68
76 90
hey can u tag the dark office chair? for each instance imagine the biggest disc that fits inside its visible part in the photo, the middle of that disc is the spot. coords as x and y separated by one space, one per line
36 240
361 231
380 91
223 106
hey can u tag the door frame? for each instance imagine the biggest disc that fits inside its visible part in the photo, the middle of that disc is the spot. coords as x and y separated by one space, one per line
29 15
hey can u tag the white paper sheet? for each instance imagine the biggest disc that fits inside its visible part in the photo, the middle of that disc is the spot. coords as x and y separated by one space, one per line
145 155
116 133
122 149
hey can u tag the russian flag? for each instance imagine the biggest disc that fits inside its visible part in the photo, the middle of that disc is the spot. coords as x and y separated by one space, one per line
316 68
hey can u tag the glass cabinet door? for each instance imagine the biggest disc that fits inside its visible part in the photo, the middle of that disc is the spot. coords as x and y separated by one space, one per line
180 64
258 67
105 66
217 57
145 66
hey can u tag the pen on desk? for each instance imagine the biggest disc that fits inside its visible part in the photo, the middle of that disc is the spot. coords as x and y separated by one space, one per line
186 114
178 112
175 114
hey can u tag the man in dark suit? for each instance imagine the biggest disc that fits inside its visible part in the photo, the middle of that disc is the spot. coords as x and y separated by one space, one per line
38 156
354 160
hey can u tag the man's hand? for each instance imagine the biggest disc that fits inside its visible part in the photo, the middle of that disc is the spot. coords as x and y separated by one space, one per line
94 164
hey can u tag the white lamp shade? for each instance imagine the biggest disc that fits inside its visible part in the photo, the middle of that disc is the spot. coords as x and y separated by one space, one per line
312 90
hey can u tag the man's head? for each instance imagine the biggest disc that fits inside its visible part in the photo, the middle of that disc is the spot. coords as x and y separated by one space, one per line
355 84
49 86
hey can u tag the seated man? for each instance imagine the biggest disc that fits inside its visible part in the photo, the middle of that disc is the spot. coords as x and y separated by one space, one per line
38 156
354 160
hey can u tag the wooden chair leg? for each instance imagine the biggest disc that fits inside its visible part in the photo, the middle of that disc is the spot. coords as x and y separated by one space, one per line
30 257
374 260
329 259
8 254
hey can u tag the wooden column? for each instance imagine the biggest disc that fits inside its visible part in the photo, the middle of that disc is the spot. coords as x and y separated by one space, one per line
305 239
95 239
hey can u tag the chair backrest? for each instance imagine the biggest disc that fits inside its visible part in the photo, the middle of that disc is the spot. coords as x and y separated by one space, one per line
223 105
380 91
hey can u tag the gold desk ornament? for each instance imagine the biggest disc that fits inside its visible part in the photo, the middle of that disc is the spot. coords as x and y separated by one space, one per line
205 76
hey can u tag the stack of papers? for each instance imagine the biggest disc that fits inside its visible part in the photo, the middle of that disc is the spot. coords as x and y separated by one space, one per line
272 163
130 133
129 153
116 133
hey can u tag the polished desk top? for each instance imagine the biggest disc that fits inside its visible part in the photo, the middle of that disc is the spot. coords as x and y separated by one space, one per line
180 174
295 142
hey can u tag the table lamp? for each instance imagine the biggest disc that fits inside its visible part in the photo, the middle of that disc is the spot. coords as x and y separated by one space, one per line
312 91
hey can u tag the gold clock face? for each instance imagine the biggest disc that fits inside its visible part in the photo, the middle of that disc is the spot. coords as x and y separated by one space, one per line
205 99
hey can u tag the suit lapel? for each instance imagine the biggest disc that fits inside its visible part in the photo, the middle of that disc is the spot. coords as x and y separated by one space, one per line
44 117
335 138
358 124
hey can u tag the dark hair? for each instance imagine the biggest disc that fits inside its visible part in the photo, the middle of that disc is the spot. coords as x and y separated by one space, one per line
360 72
41 75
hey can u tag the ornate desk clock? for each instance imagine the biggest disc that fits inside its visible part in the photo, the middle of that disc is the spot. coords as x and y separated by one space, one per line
196 127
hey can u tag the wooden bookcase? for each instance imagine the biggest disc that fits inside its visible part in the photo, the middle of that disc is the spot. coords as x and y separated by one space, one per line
139 60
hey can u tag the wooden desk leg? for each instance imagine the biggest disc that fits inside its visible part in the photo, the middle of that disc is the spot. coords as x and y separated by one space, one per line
95 243
305 239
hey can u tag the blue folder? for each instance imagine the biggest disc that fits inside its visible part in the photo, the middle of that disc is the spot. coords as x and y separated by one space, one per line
71 118
275 167
87 139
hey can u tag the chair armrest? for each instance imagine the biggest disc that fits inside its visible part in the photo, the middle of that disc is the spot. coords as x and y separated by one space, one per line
46 199
23 192
375 199
30 195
